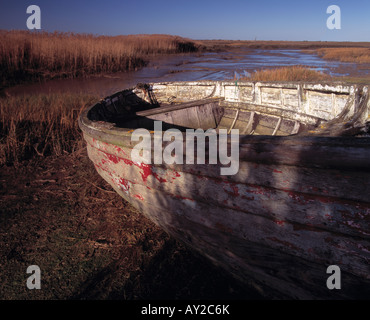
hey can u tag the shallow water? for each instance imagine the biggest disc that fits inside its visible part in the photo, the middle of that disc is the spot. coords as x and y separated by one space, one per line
190 67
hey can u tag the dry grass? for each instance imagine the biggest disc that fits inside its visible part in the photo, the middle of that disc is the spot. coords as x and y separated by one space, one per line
28 55
293 73
39 125
357 55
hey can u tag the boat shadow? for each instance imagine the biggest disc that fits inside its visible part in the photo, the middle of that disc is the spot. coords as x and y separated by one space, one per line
173 273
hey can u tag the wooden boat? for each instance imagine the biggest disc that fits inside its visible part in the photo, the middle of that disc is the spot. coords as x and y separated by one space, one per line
300 201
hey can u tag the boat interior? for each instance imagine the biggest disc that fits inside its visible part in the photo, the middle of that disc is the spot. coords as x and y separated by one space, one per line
275 110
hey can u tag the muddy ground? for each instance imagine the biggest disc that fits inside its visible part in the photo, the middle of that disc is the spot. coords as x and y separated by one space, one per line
89 243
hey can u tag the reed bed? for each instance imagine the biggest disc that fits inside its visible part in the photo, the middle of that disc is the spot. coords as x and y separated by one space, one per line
40 125
357 55
293 73
26 55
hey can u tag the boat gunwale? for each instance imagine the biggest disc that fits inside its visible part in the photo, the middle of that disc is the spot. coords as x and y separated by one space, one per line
105 129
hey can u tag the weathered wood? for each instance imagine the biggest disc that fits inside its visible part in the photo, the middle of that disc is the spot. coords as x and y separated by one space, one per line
279 112
284 235
328 212
225 123
205 116
296 127
333 183
230 113
233 123
341 153
277 127
351 120
297 204
182 211
249 126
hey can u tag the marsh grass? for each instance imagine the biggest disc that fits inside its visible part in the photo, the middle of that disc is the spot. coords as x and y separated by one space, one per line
357 55
293 73
40 125
26 55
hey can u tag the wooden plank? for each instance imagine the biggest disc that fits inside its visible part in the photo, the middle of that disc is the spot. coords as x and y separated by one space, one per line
230 113
276 111
262 130
192 115
181 117
277 127
218 113
296 127
285 237
296 201
352 184
287 125
225 123
233 123
290 98
268 121
271 95
205 116
168 108
347 153
274 272
335 152
244 115
249 126
240 125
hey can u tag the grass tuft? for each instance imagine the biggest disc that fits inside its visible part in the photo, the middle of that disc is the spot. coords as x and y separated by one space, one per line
293 73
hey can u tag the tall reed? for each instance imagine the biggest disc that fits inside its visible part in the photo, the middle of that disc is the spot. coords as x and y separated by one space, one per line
26 55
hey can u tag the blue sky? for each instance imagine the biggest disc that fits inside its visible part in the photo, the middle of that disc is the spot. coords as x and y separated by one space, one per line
197 19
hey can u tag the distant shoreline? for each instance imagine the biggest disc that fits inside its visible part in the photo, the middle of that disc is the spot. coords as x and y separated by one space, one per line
273 44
